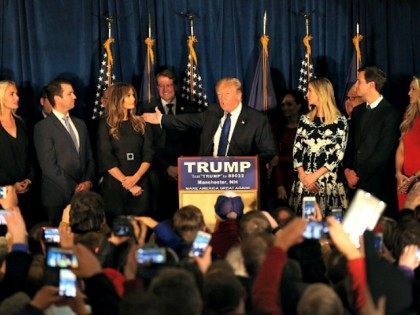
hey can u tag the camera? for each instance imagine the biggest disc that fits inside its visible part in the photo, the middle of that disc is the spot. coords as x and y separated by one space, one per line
50 235
154 255
3 191
315 230
308 207
67 285
337 214
61 258
200 244
122 226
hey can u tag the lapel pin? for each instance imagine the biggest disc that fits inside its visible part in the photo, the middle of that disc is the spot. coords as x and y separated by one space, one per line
243 122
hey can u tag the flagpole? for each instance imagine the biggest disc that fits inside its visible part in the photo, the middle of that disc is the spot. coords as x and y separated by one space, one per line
107 46
264 43
356 42
308 38
149 41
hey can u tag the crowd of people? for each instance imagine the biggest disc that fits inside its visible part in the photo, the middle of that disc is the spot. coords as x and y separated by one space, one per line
256 262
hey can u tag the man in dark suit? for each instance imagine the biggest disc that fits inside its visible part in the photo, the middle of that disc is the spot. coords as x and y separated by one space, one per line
246 131
373 136
168 146
63 150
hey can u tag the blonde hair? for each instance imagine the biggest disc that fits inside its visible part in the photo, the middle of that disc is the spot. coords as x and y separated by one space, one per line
412 110
3 87
325 92
115 110
229 81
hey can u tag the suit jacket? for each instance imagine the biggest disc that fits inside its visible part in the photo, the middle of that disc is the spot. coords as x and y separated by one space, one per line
251 136
175 143
373 139
62 166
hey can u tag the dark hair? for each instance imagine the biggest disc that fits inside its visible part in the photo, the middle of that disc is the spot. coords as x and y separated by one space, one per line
177 292
44 93
407 234
167 73
54 88
374 74
86 212
188 221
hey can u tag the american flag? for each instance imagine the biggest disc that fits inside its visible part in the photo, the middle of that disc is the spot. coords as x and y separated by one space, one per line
103 83
192 89
306 74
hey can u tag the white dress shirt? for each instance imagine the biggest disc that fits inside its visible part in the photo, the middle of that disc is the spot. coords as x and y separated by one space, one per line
233 120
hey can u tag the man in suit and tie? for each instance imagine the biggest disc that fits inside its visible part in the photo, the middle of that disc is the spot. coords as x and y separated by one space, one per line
227 129
63 150
168 145
373 137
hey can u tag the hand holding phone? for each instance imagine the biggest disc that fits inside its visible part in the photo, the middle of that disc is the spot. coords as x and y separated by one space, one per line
200 244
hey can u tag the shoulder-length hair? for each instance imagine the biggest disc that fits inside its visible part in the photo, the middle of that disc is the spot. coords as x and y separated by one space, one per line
115 110
325 92
3 87
412 110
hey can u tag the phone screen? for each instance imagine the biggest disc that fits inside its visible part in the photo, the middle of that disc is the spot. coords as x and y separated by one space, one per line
315 230
3 213
51 235
337 214
151 255
200 244
308 207
60 258
378 240
3 191
67 284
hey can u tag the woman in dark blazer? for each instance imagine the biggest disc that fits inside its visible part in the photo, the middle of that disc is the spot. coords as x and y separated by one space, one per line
125 154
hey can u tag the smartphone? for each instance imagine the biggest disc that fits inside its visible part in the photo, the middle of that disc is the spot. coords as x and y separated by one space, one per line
61 258
200 244
418 253
154 255
378 241
50 235
308 207
67 284
3 213
337 214
3 191
315 230
122 226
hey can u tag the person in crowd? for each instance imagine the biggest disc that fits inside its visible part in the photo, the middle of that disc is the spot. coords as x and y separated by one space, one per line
373 139
125 153
227 129
46 107
15 165
229 209
291 107
319 149
63 149
352 100
168 146
407 162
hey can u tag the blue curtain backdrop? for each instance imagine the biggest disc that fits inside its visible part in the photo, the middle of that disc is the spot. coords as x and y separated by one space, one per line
43 39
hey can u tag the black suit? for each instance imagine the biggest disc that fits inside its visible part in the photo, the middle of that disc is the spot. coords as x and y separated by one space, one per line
373 138
63 168
251 136
168 146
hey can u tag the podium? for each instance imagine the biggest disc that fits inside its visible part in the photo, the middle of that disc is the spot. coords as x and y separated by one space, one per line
202 179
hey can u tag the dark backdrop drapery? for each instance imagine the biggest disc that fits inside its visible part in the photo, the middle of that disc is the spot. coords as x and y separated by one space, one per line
42 39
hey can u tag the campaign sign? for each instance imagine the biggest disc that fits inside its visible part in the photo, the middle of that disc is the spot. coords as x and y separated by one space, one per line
218 173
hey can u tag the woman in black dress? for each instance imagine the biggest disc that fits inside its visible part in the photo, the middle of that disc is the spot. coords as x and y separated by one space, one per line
15 167
125 153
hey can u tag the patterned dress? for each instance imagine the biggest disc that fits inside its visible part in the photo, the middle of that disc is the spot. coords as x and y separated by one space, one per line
317 145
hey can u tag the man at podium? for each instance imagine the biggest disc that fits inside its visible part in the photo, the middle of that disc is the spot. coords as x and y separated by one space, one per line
228 128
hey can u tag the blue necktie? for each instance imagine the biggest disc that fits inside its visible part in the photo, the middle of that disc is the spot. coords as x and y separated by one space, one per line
224 136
